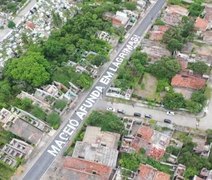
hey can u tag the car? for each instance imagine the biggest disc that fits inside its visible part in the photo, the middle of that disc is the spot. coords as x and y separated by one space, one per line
167 121
170 113
120 111
137 114
111 109
148 116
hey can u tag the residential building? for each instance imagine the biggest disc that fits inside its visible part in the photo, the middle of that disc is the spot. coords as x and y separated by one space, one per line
113 40
94 135
80 169
176 9
157 32
15 149
152 141
197 178
188 81
173 14
96 153
154 49
208 13
201 24
147 172
120 19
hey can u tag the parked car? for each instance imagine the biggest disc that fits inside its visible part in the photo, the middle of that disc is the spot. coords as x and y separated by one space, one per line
167 121
120 111
137 114
148 116
111 109
170 113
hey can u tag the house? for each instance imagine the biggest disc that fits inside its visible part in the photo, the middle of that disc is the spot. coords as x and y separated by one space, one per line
155 51
30 25
152 141
15 149
80 169
207 37
197 178
147 172
94 135
23 124
176 9
179 172
96 153
157 32
188 81
173 14
201 24
120 19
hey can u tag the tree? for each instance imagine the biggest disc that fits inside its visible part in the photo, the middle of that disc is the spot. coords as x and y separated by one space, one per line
198 67
199 97
130 5
196 8
193 107
53 119
38 112
165 68
98 60
25 104
130 161
60 104
173 101
31 68
174 45
209 136
11 25
107 121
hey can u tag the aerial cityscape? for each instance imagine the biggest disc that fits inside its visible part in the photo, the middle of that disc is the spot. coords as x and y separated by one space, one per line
105 90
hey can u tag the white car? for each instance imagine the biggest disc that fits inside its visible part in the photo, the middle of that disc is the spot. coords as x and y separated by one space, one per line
170 113
111 109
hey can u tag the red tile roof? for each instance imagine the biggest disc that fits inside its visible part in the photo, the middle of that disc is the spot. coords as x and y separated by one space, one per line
88 167
201 24
156 153
158 32
188 81
30 25
147 172
145 133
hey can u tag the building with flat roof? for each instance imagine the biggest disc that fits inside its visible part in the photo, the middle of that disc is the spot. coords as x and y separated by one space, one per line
96 153
94 135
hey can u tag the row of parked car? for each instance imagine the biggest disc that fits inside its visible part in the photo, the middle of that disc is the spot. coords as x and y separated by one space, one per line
147 116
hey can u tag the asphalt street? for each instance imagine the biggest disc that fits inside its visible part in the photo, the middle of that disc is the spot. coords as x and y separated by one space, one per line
71 124
182 119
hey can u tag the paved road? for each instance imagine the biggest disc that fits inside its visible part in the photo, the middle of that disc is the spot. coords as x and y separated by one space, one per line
68 129
158 115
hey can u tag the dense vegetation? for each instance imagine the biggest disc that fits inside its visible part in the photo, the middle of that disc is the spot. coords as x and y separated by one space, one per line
107 121
131 72
11 6
176 36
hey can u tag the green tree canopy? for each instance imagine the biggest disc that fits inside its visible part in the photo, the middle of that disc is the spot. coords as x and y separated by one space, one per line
198 67
196 8
107 121
31 68
165 68
53 119
173 100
